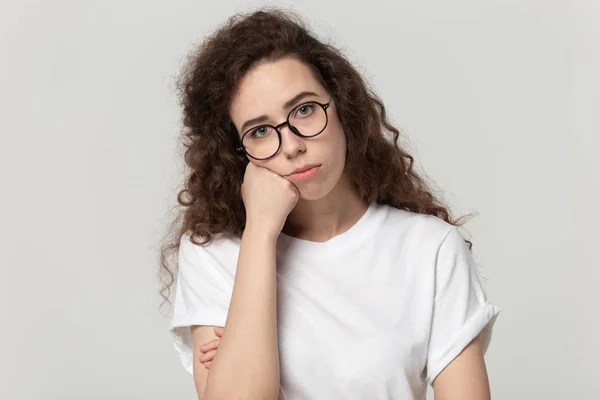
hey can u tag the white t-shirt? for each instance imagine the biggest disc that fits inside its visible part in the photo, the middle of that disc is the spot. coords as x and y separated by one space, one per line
373 313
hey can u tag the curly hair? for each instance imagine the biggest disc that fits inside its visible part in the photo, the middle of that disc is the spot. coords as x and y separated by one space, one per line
211 203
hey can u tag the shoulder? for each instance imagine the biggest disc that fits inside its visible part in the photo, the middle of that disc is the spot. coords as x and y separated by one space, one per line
218 254
189 243
424 229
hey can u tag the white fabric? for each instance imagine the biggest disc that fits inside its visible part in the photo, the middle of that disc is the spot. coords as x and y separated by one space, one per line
374 313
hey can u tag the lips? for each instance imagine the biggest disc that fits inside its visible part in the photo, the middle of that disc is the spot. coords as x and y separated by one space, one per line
303 169
304 174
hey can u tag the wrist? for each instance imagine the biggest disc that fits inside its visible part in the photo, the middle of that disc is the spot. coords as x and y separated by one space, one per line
260 231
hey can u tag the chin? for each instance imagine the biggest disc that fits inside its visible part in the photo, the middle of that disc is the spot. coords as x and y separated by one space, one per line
319 188
314 191
310 196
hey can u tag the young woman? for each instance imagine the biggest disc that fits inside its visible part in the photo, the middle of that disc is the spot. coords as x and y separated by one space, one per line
313 261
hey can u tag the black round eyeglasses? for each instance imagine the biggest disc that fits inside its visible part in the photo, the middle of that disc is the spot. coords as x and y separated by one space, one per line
264 141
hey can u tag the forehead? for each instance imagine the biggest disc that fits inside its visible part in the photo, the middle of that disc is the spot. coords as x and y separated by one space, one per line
267 86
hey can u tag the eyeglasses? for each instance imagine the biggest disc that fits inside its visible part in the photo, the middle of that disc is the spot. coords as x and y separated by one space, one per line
306 120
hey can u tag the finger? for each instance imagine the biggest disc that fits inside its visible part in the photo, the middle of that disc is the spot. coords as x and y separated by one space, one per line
207 356
219 331
207 364
213 344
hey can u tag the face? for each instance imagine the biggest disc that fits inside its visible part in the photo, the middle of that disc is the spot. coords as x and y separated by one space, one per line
264 97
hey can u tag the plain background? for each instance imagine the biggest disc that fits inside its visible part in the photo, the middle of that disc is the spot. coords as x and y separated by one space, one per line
500 101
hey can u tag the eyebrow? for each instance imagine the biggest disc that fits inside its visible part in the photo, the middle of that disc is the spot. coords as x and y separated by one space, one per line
288 104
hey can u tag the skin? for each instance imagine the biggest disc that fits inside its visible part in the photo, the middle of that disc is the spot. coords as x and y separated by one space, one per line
328 205
323 207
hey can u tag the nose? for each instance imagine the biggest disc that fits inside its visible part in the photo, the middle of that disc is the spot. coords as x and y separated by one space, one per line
291 144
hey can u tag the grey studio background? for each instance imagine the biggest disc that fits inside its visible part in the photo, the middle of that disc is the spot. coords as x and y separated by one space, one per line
499 99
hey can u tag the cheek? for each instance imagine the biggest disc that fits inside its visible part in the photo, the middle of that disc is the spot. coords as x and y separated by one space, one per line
339 145
270 164
335 157
338 137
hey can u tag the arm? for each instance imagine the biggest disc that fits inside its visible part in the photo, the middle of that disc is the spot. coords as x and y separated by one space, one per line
248 352
465 378
207 353
201 334
461 325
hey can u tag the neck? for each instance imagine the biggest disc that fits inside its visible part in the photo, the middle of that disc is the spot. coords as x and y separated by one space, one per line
322 219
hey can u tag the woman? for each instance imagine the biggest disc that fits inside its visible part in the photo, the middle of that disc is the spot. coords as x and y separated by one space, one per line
313 261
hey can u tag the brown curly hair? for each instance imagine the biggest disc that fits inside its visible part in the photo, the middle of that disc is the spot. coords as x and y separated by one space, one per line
211 202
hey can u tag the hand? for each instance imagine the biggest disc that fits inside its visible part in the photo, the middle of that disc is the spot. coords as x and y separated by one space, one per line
209 349
268 198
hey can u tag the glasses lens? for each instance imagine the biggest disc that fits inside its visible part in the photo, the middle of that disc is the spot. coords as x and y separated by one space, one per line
261 142
309 119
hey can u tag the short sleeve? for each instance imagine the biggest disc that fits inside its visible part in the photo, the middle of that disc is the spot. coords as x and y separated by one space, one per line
202 297
461 310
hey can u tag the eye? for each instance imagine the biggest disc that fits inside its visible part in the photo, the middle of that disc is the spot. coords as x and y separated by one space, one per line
304 110
260 132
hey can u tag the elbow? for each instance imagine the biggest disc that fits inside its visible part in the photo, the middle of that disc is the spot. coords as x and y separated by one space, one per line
236 397
231 386
229 395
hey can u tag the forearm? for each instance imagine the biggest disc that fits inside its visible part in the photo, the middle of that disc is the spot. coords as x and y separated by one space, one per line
247 365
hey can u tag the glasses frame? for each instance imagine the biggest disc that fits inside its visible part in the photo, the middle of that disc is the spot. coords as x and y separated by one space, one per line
240 147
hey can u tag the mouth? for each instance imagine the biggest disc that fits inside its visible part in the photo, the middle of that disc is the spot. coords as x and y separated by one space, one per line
304 173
